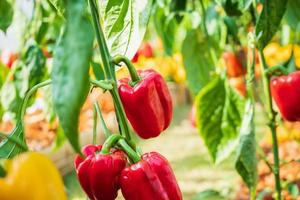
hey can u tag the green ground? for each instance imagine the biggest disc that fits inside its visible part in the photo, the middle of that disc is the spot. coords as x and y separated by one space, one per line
182 146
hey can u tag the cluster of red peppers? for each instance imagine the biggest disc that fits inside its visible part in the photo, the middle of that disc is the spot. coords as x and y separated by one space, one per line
103 170
103 173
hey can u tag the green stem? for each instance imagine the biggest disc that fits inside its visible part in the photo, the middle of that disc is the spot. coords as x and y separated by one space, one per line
110 142
94 124
109 70
14 141
133 73
107 133
129 151
276 71
121 114
271 124
2 172
105 55
250 94
28 95
102 84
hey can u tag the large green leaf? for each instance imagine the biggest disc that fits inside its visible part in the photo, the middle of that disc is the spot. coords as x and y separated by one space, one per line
219 111
70 73
58 5
269 20
246 154
292 15
6 14
197 61
125 24
9 149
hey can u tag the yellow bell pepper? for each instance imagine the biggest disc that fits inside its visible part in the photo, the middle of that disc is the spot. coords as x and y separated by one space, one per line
31 176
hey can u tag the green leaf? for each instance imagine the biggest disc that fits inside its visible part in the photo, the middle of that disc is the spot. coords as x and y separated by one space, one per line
125 24
166 27
98 71
292 15
9 149
294 190
209 195
70 73
58 6
219 111
29 71
6 15
246 154
269 21
197 61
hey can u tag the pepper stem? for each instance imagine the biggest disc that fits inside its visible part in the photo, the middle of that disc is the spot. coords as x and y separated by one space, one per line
129 151
107 133
110 142
272 125
133 73
276 70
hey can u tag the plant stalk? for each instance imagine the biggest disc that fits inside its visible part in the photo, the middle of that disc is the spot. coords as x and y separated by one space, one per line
271 124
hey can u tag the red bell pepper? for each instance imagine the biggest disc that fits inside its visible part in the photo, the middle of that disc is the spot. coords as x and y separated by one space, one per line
285 91
99 173
148 103
150 179
234 64
145 50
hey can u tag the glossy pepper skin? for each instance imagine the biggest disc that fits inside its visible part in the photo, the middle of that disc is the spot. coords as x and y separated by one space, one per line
31 176
148 104
98 173
150 179
285 91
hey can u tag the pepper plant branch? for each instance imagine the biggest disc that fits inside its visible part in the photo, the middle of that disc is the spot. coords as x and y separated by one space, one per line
110 142
271 123
105 55
129 151
107 133
102 84
109 69
133 73
94 124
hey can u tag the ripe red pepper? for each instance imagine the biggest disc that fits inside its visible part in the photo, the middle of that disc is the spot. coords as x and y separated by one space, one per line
99 173
285 91
145 50
234 64
150 179
148 104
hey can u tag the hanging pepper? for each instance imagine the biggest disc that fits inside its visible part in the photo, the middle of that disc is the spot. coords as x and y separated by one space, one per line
147 103
99 173
285 91
7 58
150 179
31 176
234 64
